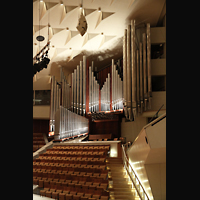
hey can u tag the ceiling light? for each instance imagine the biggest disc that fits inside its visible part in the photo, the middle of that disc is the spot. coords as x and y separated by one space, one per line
67 28
61 3
41 0
81 6
99 9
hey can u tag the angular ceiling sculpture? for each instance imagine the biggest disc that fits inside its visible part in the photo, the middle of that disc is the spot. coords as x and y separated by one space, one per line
111 19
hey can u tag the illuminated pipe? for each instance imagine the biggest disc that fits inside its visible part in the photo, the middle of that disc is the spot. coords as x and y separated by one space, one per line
81 88
141 79
114 87
90 88
92 91
112 74
57 97
125 73
77 89
72 100
129 72
149 65
106 94
52 105
84 85
96 89
133 66
97 95
94 96
108 83
118 90
138 80
144 70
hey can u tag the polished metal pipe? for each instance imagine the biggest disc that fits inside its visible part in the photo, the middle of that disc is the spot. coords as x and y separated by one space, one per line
108 91
149 65
144 43
84 85
75 88
92 95
90 88
141 79
81 88
112 75
52 120
72 95
138 81
78 89
129 72
133 69
125 73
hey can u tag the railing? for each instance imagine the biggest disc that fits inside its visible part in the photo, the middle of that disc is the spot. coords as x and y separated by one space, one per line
136 182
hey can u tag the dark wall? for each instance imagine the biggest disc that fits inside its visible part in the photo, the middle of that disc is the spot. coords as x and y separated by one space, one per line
41 126
106 127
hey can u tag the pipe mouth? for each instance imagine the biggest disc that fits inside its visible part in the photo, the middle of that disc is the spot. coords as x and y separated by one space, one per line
130 115
134 113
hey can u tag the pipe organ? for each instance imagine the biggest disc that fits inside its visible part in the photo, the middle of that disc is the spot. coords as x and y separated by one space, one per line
78 103
93 91
65 120
105 95
137 90
116 84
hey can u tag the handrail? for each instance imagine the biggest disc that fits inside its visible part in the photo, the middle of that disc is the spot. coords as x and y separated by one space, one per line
139 188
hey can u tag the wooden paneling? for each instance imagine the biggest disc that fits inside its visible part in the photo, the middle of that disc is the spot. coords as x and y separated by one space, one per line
40 126
103 74
106 127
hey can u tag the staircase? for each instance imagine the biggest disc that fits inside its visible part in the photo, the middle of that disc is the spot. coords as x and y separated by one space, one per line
119 185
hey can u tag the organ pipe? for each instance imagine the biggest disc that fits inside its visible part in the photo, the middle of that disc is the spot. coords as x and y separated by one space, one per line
72 95
77 89
137 89
149 65
129 72
63 122
81 88
144 43
138 80
133 69
84 85
141 79
125 72
90 88
108 93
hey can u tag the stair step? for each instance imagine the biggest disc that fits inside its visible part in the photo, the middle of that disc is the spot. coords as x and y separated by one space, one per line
124 190
127 197
121 186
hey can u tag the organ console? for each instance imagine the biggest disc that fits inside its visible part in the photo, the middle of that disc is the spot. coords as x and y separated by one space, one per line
69 105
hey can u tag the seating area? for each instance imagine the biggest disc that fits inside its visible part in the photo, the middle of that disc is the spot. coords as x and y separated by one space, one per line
38 141
100 137
67 172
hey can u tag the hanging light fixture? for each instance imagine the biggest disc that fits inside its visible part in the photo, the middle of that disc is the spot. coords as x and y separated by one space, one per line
82 23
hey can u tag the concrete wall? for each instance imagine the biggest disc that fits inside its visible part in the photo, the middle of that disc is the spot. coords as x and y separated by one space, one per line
41 112
130 130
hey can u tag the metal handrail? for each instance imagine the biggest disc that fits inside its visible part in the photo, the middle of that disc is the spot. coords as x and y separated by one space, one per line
142 194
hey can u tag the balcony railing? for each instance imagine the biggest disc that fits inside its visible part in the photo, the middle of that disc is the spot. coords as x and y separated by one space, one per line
133 177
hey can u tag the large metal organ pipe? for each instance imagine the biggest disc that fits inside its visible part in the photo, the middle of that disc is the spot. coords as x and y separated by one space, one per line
64 120
105 95
68 104
137 90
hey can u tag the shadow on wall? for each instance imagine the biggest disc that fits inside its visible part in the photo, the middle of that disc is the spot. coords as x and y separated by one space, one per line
100 57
